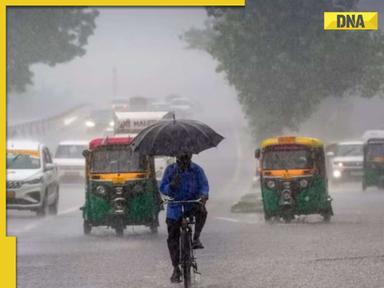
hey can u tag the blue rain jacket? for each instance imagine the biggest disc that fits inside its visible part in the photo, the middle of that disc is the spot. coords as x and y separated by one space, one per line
193 185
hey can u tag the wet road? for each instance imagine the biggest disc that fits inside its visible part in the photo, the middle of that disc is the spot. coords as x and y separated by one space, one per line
241 250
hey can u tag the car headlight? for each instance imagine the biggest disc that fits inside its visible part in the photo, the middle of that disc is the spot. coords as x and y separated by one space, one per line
303 183
340 164
101 190
34 181
90 124
336 174
271 184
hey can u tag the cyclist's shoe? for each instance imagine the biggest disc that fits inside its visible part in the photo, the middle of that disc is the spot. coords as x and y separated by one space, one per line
176 275
196 244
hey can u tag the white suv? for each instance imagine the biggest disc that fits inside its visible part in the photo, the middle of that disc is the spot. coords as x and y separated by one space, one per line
32 179
346 160
70 160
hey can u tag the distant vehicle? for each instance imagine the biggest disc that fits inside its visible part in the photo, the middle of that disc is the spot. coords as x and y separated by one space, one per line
70 160
99 121
369 134
183 107
373 163
120 104
346 160
32 178
134 122
139 103
160 106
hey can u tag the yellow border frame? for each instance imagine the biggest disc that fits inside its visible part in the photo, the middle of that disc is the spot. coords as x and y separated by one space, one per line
8 244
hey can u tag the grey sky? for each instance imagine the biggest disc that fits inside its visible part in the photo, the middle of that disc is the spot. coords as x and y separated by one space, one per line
145 47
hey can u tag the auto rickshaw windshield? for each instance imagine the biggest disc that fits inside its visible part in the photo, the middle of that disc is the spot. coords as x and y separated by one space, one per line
117 160
375 151
279 159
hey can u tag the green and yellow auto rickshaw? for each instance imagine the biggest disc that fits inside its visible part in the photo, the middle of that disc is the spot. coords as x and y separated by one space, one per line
293 178
121 186
373 163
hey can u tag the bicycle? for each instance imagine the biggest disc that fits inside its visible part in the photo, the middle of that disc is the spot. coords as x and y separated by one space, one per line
187 259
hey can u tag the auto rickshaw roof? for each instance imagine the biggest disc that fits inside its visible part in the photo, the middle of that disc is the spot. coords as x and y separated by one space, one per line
287 140
373 134
98 142
376 140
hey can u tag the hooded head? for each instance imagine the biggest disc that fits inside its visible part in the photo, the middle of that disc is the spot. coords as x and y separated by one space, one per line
184 161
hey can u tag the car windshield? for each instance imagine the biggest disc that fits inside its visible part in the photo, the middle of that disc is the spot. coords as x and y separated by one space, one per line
375 151
349 150
287 159
70 151
117 160
22 161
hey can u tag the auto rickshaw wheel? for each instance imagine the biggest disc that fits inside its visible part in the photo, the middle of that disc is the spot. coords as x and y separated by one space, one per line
87 227
327 214
155 222
287 218
381 183
267 217
153 229
119 231
327 217
287 214
119 227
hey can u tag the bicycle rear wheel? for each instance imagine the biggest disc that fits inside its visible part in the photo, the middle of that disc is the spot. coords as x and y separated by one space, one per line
186 254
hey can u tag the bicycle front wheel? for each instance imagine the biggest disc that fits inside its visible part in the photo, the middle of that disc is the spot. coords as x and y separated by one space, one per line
186 254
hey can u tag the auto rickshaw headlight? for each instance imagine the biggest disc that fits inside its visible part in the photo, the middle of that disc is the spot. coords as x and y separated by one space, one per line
303 183
101 190
271 184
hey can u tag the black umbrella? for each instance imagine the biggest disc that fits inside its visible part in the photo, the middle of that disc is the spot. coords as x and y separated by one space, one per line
176 137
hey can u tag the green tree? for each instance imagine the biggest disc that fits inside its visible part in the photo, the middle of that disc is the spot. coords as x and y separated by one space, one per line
44 35
283 64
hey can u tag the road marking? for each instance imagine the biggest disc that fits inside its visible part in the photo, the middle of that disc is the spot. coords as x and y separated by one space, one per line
69 210
39 222
228 219
26 228
69 120
242 221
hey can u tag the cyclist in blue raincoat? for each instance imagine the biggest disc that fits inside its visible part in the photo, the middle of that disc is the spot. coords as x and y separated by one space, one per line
182 181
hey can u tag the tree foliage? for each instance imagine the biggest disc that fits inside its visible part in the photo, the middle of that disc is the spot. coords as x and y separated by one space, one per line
44 35
283 64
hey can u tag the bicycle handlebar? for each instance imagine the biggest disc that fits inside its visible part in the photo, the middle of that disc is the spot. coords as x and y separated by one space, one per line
171 201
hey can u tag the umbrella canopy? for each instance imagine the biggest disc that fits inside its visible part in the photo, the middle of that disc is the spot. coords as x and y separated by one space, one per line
176 137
